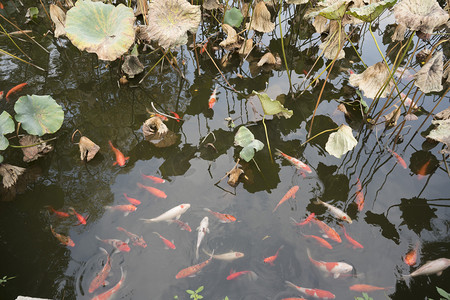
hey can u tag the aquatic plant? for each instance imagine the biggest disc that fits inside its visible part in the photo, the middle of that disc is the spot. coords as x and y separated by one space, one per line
196 294
365 296
5 279
445 295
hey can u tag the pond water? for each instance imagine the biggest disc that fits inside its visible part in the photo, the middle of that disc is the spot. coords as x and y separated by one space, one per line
400 209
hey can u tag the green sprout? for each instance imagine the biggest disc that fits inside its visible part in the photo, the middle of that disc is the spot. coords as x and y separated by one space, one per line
195 294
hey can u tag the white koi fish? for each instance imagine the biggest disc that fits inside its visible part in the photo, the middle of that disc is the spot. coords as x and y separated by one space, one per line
229 256
168 216
202 230
431 267
335 268
335 211
316 293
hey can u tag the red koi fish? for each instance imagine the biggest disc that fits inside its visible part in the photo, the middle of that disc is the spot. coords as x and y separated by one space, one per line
109 293
176 116
400 160
354 243
212 98
164 118
411 257
168 243
1 95
223 218
132 200
1 7
100 279
135 239
59 214
234 275
271 259
153 178
192 270
320 240
290 194
334 268
203 49
423 170
120 158
15 89
365 288
81 219
316 293
182 225
65 240
327 230
304 222
118 244
126 208
359 195
153 191
295 162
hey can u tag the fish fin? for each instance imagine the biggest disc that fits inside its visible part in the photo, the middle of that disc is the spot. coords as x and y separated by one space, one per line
127 158
177 217
288 283
204 251
336 275
318 201
439 273
115 163
127 241
103 250
126 213
105 283
325 236
98 238
271 263
207 230
206 209
278 152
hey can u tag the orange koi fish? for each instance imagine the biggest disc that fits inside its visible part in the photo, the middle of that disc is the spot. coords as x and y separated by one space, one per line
359 195
81 219
65 240
234 275
400 160
168 243
367 288
164 118
295 162
203 49
135 239
15 89
118 244
153 178
327 230
212 98
316 293
223 218
182 225
109 293
411 257
320 240
290 194
1 7
100 279
423 170
354 243
192 270
304 222
176 116
132 200
126 208
120 158
153 191
60 214
271 259
335 268
1 95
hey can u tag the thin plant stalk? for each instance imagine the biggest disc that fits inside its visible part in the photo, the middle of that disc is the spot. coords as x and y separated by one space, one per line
48 16
145 76
29 146
311 138
220 71
357 53
282 49
18 58
267 138
6 33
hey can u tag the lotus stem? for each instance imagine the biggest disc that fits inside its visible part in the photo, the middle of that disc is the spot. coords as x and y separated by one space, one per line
48 16
145 76
311 138
282 48
6 33
267 138
31 64
353 46
33 145
221 74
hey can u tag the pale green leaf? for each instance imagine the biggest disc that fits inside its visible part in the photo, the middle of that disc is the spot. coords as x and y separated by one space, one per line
443 293
200 289
190 292
341 142
333 11
368 13
243 137
32 12
233 17
1 159
6 126
246 139
273 107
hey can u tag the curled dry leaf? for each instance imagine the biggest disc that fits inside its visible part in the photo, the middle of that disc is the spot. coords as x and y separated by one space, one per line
341 107
444 115
372 80
269 59
341 142
422 55
58 17
441 133
261 18
246 47
132 66
392 117
154 128
399 33
321 24
233 176
233 39
333 43
429 78
88 148
211 4
34 152
10 174
411 117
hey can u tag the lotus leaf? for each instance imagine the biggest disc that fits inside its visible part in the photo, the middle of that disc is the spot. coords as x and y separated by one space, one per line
370 12
334 11
6 126
104 29
1 159
341 142
58 17
39 114
441 133
273 107
233 17
246 139
428 79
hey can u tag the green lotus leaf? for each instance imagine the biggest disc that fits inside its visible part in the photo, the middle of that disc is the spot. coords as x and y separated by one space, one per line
6 126
1 159
341 142
273 107
233 17
333 11
246 139
370 12
104 29
39 114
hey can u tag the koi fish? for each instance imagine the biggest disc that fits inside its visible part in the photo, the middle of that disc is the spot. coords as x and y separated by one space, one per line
176 116
359 195
335 211
169 244
100 279
1 92
354 243
107 295
135 239
295 162
153 191
126 208
229 256
234 275
153 178
192 270
290 194
168 216
431 267
212 98
304 222
408 101
182 225
15 89
316 293
327 230
118 244
203 49
271 259
202 230
65 240
1 7
164 118
411 257
60 214
120 158
224 218
423 170
132 200
81 219
400 160
335 268
320 240
367 288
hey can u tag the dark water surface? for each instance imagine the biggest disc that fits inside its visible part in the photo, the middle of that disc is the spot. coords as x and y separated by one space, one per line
399 208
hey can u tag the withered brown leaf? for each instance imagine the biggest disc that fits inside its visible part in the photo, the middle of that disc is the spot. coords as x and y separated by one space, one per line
34 152
88 148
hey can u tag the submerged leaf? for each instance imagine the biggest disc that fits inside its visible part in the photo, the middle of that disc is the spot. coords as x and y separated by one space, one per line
88 148
270 59
210 4
232 40
334 42
261 18
429 78
246 139
341 142
6 126
392 117
372 80
370 12
132 66
10 174
33 152
273 107
58 17
154 128
246 47
233 17
233 176
441 133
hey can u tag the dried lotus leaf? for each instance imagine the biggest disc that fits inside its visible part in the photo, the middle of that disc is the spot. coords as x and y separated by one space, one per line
392 117
399 33
132 66
211 4
10 174
246 47
267 58
88 148
58 17
154 128
428 79
372 80
232 40
34 152
233 176
261 19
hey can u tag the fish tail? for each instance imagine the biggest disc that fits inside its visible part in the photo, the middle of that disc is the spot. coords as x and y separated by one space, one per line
207 209
278 152
103 250
196 253
156 233
309 253
108 207
318 201
204 251
111 144
252 276
147 220
293 220
288 283
98 238
120 228
71 210
140 185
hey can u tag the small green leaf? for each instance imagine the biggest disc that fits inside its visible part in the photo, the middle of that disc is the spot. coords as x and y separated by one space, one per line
443 293
273 107
1 158
6 126
32 12
175 297
233 17
192 296
334 11
199 297
190 292
226 298
200 289
246 139
341 142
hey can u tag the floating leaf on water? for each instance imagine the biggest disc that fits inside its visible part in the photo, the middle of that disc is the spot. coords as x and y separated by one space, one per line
445 114
341 142
441 133
428 79
411 117
269 59
261 18
170 21
372 80
399 33
370 12
333 10
246 139
58 17
333 43
88 148
392 117
34 152
420 15
10 174
232 40
321 24
132 66
233 17
39 114
154 128
246 47
273 107
104 29
233 176
211 4
32 12
6 126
